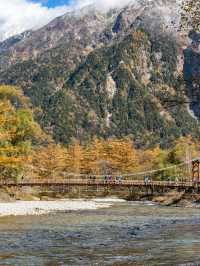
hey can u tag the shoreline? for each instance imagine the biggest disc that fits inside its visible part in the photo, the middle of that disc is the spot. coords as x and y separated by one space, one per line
24 208
32 202
43 207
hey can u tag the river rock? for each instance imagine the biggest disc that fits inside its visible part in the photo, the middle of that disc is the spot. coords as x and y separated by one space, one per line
4 196
170 198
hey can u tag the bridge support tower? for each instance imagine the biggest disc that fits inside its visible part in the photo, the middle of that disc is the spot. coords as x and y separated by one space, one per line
196 171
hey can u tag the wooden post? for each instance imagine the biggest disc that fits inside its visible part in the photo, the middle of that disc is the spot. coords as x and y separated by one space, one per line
196 171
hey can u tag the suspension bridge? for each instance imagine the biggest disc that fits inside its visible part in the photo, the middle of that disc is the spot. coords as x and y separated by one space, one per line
184 176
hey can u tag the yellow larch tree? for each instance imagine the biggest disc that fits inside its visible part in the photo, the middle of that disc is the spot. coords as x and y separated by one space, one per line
49 161
93 159
17 131
122 156
75 158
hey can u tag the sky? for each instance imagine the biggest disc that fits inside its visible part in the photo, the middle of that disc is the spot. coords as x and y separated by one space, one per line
52 3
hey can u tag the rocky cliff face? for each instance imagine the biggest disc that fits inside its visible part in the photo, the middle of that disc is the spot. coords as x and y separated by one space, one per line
192 73
89 28
110 73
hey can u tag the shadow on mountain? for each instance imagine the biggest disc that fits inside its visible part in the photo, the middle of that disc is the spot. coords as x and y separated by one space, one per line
191 72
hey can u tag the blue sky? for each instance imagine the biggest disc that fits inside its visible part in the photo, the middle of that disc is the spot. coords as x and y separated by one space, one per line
52 3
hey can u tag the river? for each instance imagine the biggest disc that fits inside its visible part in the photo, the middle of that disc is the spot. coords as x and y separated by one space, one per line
126 233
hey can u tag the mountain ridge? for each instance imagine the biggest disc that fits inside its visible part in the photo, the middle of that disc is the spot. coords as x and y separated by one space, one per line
108 74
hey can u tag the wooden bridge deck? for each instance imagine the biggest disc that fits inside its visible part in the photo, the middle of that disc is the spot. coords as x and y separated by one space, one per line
88 182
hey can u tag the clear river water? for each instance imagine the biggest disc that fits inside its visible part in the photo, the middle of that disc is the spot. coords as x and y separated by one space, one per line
127 233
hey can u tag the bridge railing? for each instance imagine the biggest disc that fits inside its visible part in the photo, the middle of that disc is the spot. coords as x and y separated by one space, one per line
80 181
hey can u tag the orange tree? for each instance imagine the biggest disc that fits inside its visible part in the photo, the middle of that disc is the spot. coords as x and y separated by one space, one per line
17 132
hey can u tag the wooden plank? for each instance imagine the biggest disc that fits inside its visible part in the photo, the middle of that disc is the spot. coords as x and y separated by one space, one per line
86 182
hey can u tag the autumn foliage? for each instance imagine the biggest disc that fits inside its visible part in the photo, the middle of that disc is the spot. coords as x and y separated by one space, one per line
17 133
98 158
26 152
109 157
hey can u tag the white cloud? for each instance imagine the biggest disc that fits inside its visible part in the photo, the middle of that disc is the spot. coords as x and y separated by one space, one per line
104 4
17 16
112 3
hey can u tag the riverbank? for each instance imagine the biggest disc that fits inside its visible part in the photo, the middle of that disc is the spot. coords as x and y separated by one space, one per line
21 208
179 199
29 201
171 198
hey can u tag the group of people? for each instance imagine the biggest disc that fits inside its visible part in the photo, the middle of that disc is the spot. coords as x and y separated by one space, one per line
111 179
108 179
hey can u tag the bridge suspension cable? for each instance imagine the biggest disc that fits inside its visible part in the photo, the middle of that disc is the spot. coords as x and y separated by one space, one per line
149 172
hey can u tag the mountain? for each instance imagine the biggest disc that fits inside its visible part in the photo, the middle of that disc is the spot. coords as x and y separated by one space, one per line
129 71
10 42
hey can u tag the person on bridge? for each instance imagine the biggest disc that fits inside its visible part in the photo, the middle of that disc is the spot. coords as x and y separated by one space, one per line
146 180
150 180
90 179
110 179
119 179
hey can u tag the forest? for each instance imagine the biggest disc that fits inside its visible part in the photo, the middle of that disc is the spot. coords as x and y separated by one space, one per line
27 152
